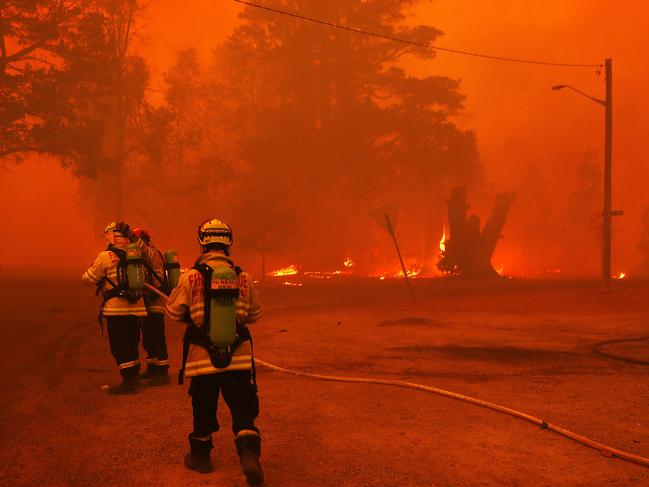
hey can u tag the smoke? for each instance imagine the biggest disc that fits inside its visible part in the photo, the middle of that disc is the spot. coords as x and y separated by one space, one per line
530 139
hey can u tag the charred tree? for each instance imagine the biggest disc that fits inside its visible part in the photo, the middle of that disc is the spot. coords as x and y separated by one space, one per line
469 249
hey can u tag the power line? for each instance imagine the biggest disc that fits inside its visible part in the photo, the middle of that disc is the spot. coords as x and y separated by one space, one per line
414 43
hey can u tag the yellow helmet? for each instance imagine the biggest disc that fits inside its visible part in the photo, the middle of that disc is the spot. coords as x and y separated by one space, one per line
214 231
112 227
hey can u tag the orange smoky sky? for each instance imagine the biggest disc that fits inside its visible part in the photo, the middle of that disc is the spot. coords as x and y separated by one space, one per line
518 120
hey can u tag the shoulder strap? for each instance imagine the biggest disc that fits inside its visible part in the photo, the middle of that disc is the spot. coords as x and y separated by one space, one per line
206 273
117 251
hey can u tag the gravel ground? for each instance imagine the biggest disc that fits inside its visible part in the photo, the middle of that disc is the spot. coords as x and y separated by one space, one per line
525 345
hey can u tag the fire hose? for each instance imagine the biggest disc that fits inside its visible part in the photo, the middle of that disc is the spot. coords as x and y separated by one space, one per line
603 449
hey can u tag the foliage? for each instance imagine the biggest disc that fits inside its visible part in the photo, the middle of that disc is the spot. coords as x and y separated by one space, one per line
37 83
332 112
63 65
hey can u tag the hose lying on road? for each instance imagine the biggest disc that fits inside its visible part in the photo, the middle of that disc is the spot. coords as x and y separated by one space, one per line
604 449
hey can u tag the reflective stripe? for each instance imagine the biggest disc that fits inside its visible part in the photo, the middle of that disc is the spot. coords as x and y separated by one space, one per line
152 360
91 277
200 367
124 312
127 365
212 370
200 363
174 316
247 433
163 362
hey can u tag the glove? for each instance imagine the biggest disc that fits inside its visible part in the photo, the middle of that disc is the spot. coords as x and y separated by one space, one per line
125 230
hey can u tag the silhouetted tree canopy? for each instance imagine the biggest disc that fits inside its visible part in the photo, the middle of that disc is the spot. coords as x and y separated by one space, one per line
332 112
39 83
63 64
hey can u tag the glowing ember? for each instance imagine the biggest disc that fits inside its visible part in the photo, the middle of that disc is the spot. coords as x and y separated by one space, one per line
318 275
285 271
414 271
621 275
500 270
442 242
348 262
327 274
297 284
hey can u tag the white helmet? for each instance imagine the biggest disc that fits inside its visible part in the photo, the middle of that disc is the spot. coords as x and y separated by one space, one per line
214 231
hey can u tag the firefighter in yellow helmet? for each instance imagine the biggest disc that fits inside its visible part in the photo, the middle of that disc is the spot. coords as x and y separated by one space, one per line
122 307
217 300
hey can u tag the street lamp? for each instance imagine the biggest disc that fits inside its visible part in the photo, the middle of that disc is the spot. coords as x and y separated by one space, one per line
608 213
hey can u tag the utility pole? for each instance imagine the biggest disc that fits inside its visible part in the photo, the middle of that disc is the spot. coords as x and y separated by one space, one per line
608 151
608 212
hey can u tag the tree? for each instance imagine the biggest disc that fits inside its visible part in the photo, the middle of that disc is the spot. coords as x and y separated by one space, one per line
469 250
333 114
268 221
581 230
70 86
40 92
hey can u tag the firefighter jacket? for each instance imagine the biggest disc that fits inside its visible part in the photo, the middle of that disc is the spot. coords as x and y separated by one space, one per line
187 301
153 256
103 270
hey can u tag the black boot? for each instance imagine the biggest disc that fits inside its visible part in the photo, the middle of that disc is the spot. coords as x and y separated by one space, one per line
129 385
159 375
198 458
248 443
150 372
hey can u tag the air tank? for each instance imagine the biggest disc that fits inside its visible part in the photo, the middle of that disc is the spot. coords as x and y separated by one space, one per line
172 268
224 294
134 268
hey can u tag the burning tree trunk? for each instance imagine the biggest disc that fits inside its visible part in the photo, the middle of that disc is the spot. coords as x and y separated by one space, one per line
468 251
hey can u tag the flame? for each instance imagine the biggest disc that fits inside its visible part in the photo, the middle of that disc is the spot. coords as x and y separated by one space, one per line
285 271
348 262
414 271
442 242
621 275
318 275
500 270
287 283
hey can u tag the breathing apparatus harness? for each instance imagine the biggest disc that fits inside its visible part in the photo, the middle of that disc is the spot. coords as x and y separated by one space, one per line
163 281
220 356
123 288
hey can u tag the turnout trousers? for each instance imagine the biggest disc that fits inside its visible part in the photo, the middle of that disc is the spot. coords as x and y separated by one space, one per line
124 339
239 393
154 341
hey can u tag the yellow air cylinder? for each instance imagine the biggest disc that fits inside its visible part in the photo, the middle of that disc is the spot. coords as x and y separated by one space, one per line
224 292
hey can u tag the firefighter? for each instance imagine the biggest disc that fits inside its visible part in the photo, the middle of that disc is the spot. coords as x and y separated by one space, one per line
153 325
122 308
212 364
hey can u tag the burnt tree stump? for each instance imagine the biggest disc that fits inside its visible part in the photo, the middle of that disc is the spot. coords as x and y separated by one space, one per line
468 250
